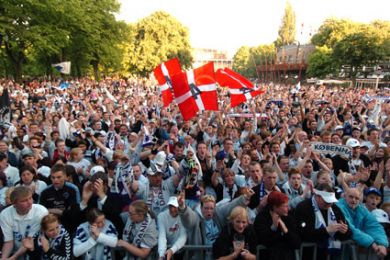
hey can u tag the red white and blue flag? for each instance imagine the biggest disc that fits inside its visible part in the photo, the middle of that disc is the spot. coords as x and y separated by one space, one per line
195 90
240 88
163 73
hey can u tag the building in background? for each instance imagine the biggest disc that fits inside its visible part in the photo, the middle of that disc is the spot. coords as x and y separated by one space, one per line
220 58
290 62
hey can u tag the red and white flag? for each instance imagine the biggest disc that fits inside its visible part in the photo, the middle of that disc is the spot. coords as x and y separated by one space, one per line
240 88
195 90
163 73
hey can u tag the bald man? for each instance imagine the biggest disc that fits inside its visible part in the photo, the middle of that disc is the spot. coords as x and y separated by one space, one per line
366 230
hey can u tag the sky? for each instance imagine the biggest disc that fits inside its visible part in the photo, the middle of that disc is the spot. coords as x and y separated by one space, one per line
229 24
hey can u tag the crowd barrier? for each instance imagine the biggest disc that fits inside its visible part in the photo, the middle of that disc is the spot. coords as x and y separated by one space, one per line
349 250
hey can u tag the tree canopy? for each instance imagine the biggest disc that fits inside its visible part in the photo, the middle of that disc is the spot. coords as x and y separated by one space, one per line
287 30
41 32
343 43
155 39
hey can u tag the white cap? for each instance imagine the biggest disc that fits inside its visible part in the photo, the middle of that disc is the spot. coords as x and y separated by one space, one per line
381 215
153 169
173 202
160 158
339 127
329 197
103 133
352 142
96 169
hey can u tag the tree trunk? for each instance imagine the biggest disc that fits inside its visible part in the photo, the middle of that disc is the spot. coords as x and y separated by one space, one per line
17 70
95 65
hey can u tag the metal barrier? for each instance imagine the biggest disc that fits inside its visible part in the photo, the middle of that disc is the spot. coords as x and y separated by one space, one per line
202 250
261 247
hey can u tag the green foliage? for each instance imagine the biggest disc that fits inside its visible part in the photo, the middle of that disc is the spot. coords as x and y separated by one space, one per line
287 29
358 49
321 63
155 39
348 43
37 33
247 58
332 31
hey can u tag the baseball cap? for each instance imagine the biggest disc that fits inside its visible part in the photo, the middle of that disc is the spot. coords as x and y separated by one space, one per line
381 215
339 127
372 190
173 202
329 197
352 142
95 169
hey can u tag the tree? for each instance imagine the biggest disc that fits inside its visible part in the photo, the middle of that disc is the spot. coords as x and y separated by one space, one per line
29 24
155 39
332 31
321 63
246 59
241 61
358 49
287 29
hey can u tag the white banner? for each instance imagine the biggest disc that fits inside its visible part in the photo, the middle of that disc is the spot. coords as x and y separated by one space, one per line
63 67
327 148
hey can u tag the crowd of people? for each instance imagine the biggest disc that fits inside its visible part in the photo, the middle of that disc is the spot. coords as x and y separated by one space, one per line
94 166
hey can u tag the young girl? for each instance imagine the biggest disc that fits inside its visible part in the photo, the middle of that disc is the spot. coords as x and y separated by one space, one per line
53 242
95 237
29 178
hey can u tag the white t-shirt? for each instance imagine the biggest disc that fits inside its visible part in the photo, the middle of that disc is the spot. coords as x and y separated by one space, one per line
12 174
16 227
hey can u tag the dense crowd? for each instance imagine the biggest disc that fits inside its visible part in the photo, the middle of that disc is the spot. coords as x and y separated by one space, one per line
88 166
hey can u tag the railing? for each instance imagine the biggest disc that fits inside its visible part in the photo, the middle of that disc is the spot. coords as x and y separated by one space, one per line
349 250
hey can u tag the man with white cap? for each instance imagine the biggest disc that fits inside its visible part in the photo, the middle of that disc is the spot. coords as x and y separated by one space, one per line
322 222
352 165
172 235
366 230
157 192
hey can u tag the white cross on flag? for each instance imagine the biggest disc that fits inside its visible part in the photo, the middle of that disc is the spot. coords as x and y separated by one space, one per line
195 90
163 73
240 88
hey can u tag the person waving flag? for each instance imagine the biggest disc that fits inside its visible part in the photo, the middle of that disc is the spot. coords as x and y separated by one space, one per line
163 74
240 88
195 90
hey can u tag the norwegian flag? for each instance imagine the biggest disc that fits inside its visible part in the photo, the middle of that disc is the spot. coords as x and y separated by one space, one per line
240 88
163 73
195 90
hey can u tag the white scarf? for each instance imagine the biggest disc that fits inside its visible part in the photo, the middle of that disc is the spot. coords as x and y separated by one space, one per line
137 239
320 223
226 192
156 199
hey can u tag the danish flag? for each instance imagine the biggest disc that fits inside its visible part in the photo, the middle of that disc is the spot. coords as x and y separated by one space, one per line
195 90
240 88
163 73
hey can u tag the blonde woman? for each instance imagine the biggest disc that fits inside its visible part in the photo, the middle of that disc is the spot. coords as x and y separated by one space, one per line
238 239
140 232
